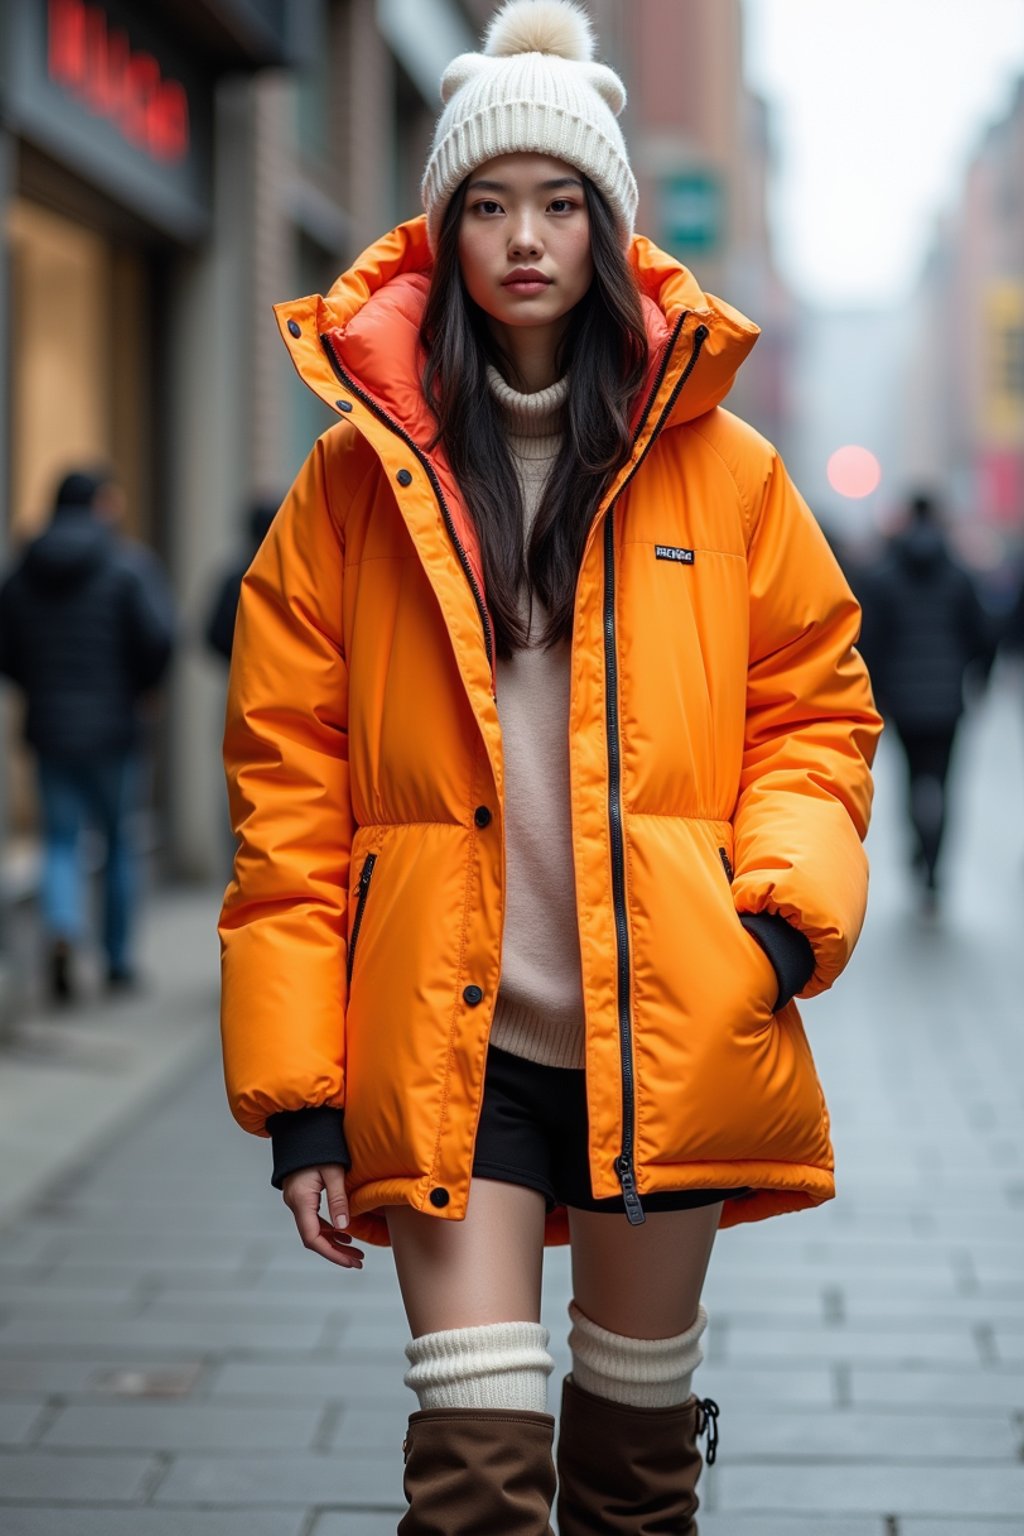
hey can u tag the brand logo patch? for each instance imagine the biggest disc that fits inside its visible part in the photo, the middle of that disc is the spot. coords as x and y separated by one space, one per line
670 552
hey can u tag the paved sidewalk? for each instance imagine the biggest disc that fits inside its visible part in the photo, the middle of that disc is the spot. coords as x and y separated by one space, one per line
172 1363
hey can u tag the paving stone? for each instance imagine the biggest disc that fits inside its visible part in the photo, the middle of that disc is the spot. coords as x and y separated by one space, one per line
789 1525
25 1246
35 1377
941 1391
775 1389
17 1419
1009 1344
958 1526
360 1427
65 1479
758 1347
183 1426
838 1489
363 1480
142 1333
252 1310
851 1435
333 1523
335 1382
143 1273
123 1247
51 1520
93 1300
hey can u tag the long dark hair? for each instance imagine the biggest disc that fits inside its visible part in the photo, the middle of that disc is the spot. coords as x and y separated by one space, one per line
605 350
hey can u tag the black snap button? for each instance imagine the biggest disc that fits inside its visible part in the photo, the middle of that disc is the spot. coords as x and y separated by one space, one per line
439 1197
473 995
482 816
295 327
404 477
343 405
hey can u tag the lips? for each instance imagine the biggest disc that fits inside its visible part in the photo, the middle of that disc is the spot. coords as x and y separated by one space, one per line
526 277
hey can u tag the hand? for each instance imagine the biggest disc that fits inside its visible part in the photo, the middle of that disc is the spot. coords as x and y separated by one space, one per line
302 1191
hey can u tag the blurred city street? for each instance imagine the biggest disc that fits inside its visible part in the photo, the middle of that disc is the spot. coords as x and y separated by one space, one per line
172 1363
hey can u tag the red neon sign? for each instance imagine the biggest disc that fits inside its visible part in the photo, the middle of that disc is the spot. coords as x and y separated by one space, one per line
96 63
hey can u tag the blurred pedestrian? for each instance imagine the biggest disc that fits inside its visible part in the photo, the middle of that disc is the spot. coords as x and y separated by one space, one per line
219 628
220 624
924 630
86 631
544 694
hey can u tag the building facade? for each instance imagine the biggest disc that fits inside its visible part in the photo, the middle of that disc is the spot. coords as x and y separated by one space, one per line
964 385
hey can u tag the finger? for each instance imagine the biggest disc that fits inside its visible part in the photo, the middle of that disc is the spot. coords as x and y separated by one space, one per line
326 1230
305 1207
337 1198
330 1249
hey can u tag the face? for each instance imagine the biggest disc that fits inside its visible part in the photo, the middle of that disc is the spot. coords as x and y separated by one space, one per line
524 241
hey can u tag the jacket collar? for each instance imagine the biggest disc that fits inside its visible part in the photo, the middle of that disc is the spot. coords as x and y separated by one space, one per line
371 319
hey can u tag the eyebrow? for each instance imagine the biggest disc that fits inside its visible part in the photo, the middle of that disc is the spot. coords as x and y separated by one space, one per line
543 186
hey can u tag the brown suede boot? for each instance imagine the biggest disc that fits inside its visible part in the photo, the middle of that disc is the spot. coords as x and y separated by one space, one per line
474 1470
630 1471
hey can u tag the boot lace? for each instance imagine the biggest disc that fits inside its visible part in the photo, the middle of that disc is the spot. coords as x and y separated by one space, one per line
707 1423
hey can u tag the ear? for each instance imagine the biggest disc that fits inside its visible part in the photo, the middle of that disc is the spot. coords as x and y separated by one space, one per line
607 85
459 71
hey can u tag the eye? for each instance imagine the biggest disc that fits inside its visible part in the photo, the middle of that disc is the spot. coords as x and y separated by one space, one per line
486 205
562 204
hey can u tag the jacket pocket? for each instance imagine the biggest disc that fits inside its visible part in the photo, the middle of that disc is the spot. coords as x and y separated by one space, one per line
362 892
748 938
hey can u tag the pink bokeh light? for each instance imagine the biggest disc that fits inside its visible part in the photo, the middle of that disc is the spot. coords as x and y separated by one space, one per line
854 472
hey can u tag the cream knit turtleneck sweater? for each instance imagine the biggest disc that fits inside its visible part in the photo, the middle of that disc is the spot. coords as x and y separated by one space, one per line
539 1011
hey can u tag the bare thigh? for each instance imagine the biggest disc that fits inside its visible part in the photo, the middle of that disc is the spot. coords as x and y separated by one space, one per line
643 1282
484 1269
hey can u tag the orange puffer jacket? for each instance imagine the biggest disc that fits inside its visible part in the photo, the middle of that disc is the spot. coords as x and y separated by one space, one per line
721 730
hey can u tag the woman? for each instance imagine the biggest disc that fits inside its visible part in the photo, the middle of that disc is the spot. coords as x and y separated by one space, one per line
548 749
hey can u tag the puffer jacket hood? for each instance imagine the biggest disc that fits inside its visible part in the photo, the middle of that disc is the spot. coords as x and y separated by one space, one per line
69 552
366 331
720 733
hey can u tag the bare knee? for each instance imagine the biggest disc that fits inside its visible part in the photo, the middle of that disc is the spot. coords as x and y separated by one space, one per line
643 1282
483 1269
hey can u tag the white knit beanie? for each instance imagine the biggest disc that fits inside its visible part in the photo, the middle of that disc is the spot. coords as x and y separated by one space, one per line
535 88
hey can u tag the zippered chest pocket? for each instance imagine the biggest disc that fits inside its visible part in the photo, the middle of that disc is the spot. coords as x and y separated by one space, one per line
362 892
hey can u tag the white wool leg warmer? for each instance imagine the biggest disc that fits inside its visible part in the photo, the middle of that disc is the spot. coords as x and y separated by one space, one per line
495 1365
646 1373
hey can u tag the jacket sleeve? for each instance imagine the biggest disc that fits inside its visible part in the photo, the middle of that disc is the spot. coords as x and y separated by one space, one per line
283 923
811 730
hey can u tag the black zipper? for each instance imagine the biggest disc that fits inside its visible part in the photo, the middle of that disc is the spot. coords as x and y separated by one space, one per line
362 891
435 484
624 1164
726 864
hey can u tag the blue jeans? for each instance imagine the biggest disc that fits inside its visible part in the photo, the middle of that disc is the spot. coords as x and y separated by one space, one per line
99 791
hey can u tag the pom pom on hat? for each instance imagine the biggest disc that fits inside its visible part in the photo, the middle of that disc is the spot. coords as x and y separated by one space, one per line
540 26
534 89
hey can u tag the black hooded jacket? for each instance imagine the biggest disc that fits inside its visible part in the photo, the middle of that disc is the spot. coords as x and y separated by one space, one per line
86 626
923 628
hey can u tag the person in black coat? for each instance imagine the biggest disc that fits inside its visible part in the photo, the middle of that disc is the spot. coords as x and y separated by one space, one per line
924 628
220 623
86 630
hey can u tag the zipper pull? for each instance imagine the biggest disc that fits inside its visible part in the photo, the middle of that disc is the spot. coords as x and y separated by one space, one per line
366 872
627 1178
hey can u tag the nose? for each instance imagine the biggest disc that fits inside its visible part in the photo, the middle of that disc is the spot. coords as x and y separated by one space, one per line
524 239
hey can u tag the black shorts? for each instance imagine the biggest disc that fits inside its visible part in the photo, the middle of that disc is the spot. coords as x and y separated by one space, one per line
533 1131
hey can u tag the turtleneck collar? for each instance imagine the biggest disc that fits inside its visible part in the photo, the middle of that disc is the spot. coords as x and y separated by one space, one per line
536 416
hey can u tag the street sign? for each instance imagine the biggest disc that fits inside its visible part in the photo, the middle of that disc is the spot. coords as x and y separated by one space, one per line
691 211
